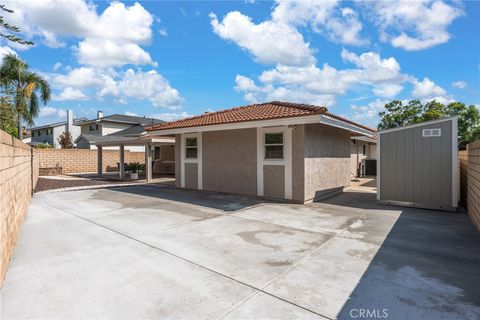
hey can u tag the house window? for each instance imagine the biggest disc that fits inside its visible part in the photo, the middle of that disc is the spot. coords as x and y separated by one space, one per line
437 132
49 131
33 133
274 146
93 127
191 148
156 153
364 150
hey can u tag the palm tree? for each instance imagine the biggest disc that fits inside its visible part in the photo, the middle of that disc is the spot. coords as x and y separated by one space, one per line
22 86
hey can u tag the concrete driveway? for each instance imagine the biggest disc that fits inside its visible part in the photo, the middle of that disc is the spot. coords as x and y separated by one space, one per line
155 252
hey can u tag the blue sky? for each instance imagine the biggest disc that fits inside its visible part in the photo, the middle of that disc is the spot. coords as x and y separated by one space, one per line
175 59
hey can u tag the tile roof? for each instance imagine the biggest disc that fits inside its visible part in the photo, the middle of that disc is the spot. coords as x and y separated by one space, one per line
254 112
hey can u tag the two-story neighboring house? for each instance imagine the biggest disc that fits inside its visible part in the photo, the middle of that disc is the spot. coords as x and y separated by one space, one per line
49 133
105 125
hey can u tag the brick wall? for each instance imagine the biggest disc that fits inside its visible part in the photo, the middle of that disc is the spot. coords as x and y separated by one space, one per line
470 180
83 160
15 192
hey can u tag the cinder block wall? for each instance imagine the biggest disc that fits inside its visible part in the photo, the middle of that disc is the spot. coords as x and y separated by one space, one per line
83 160
16 186
470 180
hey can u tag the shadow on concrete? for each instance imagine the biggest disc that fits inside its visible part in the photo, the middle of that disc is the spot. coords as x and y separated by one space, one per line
428 267
215 200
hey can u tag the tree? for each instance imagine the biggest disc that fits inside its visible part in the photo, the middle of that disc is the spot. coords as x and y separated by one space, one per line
65 140
9 28
22 85
398 114
7 117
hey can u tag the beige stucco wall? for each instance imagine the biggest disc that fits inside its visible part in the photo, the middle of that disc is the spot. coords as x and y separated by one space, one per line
191 175
230 161
298 163
274 181
327 160
178 159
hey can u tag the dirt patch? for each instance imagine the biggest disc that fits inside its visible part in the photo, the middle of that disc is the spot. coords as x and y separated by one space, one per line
44 184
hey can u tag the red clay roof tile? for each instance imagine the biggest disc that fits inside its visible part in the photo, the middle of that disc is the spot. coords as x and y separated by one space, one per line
262 111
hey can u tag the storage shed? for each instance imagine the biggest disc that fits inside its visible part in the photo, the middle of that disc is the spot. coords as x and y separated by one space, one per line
417 165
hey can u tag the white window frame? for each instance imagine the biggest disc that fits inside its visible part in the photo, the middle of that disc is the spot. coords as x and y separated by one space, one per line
197 160
431 132
286 161
191 147
265 145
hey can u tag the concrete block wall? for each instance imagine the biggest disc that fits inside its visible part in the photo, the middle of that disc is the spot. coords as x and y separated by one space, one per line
470 181
16 187
83 160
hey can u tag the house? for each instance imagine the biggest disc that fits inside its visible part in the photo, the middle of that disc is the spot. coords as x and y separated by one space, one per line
363 152
275 150
49 133
106 125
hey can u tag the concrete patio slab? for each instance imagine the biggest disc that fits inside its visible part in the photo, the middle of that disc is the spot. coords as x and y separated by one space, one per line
324 282
156 252
253 252
263 306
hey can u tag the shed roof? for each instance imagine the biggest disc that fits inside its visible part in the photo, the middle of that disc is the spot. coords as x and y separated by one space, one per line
254 112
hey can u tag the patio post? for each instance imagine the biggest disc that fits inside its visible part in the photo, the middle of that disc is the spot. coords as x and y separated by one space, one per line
122 161
148 162
99 160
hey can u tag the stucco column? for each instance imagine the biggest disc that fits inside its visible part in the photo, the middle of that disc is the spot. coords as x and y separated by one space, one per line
148 162
99 160
122 161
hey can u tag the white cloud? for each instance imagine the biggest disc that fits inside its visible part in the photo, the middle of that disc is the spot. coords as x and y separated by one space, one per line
163 32
413 25
57 66
388 90
324 17
118 32
148 85
133 114
427 88
368 114
442 99
171 116
270 42
459 84
105 53
313 84
69 94
6 50
79 78
50 112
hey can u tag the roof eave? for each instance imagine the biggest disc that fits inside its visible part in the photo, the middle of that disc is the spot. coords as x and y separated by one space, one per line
305 119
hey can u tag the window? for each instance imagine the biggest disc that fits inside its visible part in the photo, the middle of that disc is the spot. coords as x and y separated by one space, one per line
93 127
33 133
191 148
48 131
364 150
437 132
156 153
274 146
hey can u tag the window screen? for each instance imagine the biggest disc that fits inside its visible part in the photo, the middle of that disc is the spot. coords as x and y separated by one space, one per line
274 146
